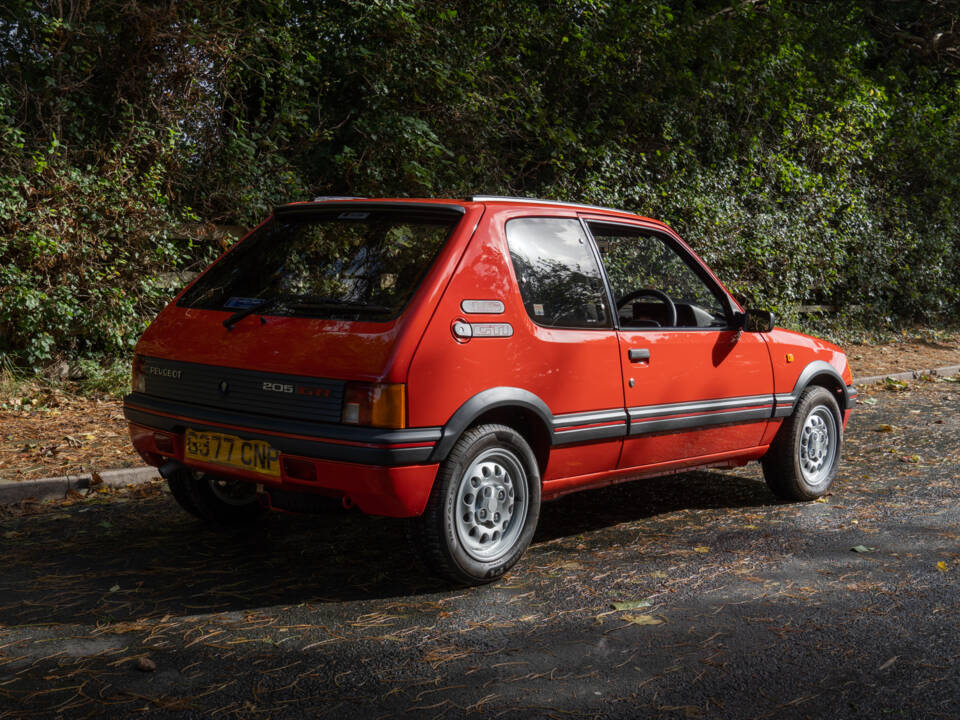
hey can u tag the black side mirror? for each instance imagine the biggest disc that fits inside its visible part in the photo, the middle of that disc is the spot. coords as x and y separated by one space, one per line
759 321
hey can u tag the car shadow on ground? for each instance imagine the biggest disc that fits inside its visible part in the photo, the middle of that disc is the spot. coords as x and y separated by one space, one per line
601 509
145 558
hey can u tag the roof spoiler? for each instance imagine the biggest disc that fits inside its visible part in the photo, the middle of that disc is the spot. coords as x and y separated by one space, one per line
353 204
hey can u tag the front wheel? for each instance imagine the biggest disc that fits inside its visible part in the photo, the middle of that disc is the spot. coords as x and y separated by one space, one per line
803 459
483 509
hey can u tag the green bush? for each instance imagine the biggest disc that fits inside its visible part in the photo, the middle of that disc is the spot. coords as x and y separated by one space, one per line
807 150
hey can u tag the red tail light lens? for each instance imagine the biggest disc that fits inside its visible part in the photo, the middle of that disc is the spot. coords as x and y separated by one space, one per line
138 379
375 404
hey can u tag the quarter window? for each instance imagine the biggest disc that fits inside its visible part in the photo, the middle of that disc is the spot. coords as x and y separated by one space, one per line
557 272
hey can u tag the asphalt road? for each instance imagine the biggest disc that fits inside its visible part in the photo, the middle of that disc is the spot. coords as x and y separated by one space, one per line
744 607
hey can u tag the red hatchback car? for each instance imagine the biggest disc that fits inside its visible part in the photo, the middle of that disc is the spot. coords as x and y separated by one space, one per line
456 362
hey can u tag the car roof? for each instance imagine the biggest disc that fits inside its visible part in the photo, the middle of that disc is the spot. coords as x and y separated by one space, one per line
460 205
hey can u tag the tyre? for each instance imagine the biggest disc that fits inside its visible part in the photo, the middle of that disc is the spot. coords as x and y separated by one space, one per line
179 483
483 508
215 500
802 460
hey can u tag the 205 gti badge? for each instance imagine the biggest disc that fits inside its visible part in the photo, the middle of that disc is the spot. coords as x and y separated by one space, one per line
276 387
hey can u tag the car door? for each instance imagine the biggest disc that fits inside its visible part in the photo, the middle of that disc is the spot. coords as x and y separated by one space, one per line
695 385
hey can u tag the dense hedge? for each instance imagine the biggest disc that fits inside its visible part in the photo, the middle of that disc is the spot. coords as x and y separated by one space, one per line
808 150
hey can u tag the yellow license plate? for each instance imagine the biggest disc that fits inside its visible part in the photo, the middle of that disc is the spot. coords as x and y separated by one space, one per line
254 455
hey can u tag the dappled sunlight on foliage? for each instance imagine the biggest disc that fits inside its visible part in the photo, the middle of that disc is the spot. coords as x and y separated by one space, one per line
807 150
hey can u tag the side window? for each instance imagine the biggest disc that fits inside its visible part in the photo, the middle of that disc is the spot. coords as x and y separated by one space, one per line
653 285
557 271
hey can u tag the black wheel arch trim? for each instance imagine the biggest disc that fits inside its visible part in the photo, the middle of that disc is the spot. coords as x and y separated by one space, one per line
482 403
785 403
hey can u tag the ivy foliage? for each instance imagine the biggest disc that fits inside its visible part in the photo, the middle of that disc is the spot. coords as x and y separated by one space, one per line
808 151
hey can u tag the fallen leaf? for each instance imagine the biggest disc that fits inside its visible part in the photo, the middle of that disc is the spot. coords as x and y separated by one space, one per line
642 619
145 664
897 385
888 663
867 401
942 566
821 499
701 549
631 604
884 427
861 549
114 588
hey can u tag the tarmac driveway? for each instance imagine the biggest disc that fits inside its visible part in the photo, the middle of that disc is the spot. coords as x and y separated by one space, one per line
736 605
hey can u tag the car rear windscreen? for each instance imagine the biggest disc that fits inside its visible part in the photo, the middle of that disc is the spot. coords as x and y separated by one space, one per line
357 264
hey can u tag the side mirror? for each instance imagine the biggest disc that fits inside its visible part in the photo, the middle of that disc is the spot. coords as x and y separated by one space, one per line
759 321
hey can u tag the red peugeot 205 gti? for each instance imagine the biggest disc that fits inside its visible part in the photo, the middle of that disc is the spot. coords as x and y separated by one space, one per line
456 362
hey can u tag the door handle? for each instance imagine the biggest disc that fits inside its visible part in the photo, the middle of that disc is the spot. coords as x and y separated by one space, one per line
639 354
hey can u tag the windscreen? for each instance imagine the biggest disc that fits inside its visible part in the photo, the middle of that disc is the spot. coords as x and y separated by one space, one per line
362 264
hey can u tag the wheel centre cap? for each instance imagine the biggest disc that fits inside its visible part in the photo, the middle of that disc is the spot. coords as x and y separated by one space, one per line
489 502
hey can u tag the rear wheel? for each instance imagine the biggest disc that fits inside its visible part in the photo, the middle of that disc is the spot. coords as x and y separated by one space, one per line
215 500
483 509
803 459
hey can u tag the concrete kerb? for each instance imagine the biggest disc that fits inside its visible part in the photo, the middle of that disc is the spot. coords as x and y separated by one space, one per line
948 371
56 488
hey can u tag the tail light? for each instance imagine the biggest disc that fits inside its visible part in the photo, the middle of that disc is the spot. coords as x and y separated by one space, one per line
375 404
138 378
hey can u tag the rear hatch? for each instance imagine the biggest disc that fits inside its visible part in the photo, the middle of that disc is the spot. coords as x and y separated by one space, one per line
319 294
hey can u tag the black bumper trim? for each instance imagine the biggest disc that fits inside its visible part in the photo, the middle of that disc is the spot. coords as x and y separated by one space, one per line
852 395
276 432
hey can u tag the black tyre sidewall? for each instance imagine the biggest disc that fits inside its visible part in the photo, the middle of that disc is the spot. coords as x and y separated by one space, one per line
179 484
809 402
213 510
469 569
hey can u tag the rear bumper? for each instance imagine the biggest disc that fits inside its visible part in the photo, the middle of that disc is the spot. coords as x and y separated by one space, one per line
381 478
369 446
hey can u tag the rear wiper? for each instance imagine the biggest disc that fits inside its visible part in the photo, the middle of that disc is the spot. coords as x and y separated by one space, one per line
241 314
